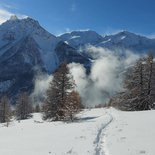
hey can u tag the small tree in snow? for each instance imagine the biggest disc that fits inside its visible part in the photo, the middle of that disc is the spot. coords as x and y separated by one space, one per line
23 107
5 110
37 108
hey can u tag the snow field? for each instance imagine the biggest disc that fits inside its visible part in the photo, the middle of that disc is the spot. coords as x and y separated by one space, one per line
35 137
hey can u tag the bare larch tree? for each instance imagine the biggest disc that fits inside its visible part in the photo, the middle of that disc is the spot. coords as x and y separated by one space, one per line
139 86
23 107
5 110
58 95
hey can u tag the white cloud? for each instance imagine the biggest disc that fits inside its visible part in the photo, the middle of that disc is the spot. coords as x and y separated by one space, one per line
105 78
104 81
4 15
41 85
5 12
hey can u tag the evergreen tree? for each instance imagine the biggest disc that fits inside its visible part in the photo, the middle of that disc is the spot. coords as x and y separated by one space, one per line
23 107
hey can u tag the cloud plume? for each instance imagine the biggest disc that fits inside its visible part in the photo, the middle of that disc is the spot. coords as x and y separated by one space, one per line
104 81
105 78
41 84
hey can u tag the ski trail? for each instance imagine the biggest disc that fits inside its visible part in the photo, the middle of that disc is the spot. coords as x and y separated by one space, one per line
99 150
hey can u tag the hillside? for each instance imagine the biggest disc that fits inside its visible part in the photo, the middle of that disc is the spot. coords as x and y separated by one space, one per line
35 137
131 133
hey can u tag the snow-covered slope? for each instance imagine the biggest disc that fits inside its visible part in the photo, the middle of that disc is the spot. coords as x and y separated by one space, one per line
128 40
96 132
35 137
15 30
120 41
131 133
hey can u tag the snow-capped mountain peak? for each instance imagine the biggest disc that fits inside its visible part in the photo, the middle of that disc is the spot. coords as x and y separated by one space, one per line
127 40
81 38
15 30
13 17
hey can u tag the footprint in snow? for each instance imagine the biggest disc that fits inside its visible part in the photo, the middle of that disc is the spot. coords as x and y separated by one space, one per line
120 130
142 152
71 152
123 138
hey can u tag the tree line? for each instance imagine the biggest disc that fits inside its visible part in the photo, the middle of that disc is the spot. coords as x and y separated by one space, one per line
61 104
139 86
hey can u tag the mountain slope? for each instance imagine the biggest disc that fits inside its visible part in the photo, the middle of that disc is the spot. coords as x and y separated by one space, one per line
128 40
69 54
15 30
130 133
36 137
81 38
121 41
17 66
25 49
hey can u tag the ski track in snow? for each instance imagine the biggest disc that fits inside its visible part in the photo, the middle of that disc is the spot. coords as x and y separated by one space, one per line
100 150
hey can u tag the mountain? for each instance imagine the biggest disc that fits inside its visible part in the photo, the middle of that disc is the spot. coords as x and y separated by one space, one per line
123 41
81 38
15 30
25 49
67 53
127 40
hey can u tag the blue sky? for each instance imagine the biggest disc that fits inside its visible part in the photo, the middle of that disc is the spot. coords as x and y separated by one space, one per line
103 16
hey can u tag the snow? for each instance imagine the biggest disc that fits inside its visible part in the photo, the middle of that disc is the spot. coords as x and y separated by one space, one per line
15 30
78 38
13 17
95 132
74 37
66 42
131 133
35 137
47 46
123 37
106 41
